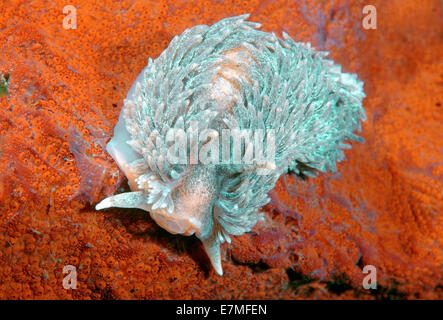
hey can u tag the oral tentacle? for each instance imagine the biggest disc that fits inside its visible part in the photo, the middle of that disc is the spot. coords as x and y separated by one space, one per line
135 199
212 248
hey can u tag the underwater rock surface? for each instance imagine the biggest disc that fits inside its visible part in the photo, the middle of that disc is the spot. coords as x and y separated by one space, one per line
383 207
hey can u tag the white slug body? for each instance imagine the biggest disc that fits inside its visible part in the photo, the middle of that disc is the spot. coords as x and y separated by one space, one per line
229 76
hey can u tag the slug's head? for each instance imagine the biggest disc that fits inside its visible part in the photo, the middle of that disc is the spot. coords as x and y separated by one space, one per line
183 206
186 207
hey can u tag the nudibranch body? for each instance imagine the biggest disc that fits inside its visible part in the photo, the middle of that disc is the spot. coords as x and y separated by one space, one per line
229 77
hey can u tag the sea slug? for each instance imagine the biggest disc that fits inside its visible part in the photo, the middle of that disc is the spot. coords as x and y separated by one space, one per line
229 77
